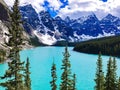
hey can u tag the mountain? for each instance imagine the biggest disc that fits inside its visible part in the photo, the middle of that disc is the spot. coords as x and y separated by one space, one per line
49 30
107 46
3 11
4 16
110 24
5 26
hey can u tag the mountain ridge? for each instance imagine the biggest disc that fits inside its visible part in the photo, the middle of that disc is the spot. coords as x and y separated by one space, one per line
49 30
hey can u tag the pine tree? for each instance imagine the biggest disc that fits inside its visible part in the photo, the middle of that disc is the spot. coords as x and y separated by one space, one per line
74 82
66 78
54 77
110 83
14 73
118 84
2 55
99 80
114 74
27 76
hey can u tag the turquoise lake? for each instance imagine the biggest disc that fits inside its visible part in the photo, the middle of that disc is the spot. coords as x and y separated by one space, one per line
41 59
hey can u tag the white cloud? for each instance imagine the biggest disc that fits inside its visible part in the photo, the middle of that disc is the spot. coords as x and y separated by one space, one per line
76 8
54 4
37 4
22 2
9 2
85 7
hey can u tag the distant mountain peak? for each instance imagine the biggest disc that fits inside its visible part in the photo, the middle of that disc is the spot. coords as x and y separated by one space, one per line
27 8
67 19
110 17
92 16
58 18
55 29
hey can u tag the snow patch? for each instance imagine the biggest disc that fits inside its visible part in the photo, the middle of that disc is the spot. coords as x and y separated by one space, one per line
84 37
46 39
118 27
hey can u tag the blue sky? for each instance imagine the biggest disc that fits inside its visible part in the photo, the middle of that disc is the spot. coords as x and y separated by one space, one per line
54 12
51 10
74 8
64 3
104 0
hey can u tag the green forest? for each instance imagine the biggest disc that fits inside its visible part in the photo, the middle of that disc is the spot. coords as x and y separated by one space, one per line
107 46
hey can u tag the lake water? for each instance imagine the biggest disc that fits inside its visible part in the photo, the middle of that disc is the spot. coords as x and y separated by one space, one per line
41 59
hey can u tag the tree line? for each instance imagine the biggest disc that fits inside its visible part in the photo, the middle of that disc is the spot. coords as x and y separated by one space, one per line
107 46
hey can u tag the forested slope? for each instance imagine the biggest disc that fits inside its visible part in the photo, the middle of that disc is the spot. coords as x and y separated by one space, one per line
107 46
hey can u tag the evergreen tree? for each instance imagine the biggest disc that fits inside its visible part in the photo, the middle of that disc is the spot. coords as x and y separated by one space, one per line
54 77
114 74
66 78
99 80
14 76
74 82
118 85
110 83
27 76
2 55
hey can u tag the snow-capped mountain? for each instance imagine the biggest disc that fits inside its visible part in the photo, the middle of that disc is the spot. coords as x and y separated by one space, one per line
110 24
50 30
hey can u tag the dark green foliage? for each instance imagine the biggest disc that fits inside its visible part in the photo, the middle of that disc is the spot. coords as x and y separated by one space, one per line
14 73
68 81
107 46
66 78
118 84
34 41
54 77
99 80
111 82
16 31
2 55
108 82
74 82
63 43
27 76
114 67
